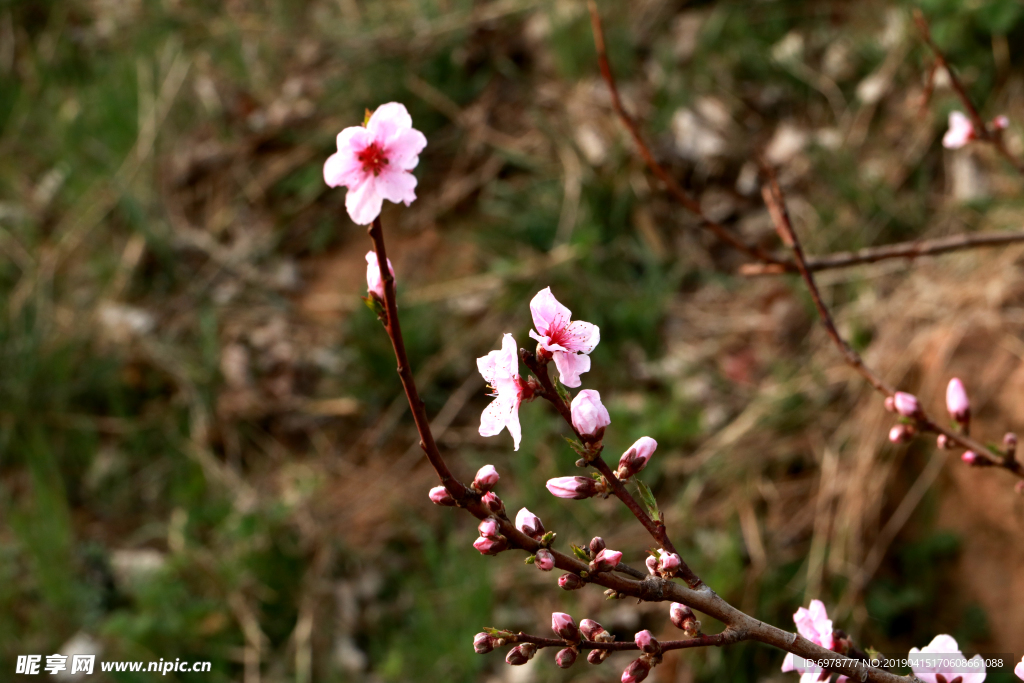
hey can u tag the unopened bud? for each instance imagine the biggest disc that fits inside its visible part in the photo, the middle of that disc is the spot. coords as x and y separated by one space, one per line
956 402
606 560
482 643
589 416
652 565
611 594
489 528
486 478
636 458
942 442
490 546
1010 445
636 671
906 404
1000 123
570 582
682 617
521 654
493 503
545 560
646 641
596 545
529 524
900 434
668 563
890 404
576 488
439 496
591 629
1019 488
566 657
564 627
969 457
597 656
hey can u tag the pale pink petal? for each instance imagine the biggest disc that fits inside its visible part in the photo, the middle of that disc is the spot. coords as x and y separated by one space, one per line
342 168
397 186
354 139
581 336
495 416
548 315
512 422
509 357
788 664
374 283
403 149
976 673
961 131
811 676
363 202
387 120
1019 669
570 367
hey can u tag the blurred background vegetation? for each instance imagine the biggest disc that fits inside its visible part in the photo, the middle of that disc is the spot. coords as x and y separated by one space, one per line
204 450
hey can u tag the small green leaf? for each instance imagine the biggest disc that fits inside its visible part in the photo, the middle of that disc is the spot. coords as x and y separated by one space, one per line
547 539
648 499
580 553
580 449
563 392
531 559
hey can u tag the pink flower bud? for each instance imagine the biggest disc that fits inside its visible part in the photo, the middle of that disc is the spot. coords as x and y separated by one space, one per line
545 560
589 416
596 545
564 627
570 582
681 616
942 442
646 641
374 285
486 478
961 131
482 643
900 434
591 629
488 528
529 524
490 546
1001 123
636 671
890 404
521 654
605 560
493 503
636 458
905 404
597 656
652 565
566 657
668 563
576 488
439 496
969 457
956 401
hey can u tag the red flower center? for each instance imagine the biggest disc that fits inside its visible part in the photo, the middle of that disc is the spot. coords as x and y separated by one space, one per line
372 158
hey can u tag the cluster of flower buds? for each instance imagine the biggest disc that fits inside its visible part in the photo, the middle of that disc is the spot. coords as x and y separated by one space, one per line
530 524
521 654
593 631
491 542
576 488
905 405
589 416
486 478
683 618
663 563
636 458
961 129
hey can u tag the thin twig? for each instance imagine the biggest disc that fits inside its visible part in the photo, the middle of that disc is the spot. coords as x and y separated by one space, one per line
775 201
726 637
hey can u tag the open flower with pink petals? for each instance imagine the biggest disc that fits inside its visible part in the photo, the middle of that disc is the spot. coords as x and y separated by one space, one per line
374 283
961 131
569 342
944 652
814 625
1019 669
375 162
501 371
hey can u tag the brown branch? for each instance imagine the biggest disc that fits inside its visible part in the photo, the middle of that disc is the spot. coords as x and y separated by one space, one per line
674 189
726 637
654 527
908 250
775 201
981 129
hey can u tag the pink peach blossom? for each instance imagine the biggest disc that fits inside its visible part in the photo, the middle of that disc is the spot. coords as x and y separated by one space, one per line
529 524
969 457
636 458
945 649
605 560
374 284
905 404
569 343
1019 669
961 131
589 416
576 488
375 162
814 625
501 371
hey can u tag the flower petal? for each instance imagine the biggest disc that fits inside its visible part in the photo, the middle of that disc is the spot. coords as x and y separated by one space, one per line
581 336
397 186
495 415
570 367
387 120
363 202
549 315
404 147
